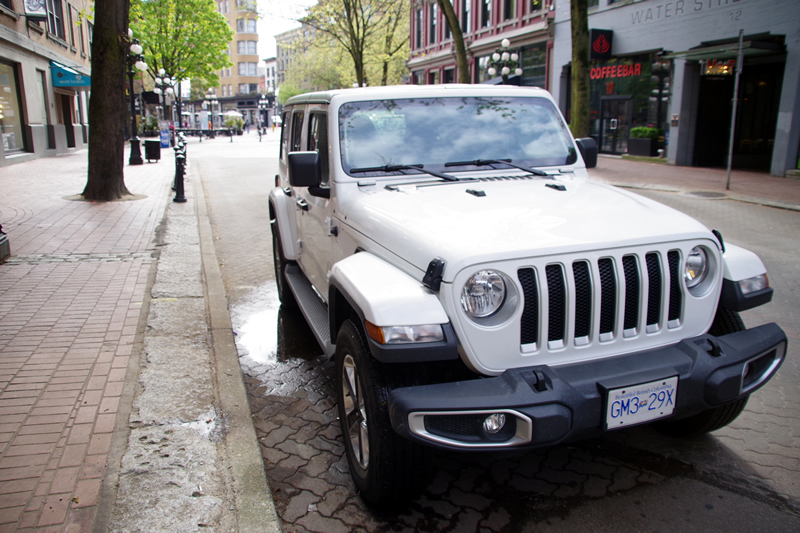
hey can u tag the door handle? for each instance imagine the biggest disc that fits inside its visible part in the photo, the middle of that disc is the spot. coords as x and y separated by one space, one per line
613 124
302 204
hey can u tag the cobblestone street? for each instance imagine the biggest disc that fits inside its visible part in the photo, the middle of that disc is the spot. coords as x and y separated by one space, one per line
740 478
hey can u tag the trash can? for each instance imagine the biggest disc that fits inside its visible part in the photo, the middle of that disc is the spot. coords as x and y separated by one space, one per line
152 150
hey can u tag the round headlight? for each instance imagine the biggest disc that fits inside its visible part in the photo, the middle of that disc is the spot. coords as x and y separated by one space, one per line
483 294
696 267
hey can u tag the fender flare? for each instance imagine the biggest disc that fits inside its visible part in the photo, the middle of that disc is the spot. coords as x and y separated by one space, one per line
386 296
281 208
740 264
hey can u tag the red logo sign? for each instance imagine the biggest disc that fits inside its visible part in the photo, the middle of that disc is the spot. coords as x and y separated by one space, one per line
601 45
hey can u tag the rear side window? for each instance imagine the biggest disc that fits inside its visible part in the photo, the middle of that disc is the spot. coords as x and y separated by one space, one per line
284 135
297 131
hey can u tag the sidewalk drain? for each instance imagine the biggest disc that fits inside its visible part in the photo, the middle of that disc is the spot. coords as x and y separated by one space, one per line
708 195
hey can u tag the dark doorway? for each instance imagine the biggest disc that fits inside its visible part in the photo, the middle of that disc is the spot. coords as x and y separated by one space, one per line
615 123
756 117
66 117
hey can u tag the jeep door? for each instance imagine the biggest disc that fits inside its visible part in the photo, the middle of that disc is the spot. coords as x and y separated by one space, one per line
314 209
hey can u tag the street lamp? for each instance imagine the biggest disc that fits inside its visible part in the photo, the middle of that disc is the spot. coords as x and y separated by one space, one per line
504 62
135 63
164 85
263 106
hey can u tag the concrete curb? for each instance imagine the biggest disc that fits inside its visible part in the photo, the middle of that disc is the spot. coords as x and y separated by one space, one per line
253 499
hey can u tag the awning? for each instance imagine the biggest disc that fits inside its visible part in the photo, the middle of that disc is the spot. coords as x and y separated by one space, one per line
753 45
64 76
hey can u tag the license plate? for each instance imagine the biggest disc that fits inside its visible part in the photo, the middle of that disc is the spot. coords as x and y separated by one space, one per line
641 403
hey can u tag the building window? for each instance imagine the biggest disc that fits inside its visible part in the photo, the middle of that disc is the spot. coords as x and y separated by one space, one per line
466 16
11 125
449 75
246 25
227 6
71 26
534 65
7 3
55 18
248 47
536 5
486 13
433 77
509 9
480 73
418 30
432 27
248 69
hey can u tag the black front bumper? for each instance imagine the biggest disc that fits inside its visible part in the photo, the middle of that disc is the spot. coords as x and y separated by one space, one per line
551 405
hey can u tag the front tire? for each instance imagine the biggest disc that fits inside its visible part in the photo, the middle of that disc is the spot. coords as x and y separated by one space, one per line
386 468
725 322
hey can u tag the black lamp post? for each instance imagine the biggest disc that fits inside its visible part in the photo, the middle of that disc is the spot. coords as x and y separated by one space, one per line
135 63
163 87
263 106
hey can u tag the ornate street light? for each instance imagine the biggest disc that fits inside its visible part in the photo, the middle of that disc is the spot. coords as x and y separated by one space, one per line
164 87
504 62
135 63
263 106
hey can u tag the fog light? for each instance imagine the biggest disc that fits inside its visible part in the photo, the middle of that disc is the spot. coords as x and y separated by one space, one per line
494 423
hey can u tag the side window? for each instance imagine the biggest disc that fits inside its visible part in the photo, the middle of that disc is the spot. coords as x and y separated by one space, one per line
284 136
318 141
297 131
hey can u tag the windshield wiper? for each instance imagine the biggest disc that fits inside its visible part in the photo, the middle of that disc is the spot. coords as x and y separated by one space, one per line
395 168
484 162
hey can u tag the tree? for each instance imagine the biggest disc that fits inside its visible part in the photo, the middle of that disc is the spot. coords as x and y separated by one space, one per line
107 109
186 38
579 107
458 39
357 24
287 90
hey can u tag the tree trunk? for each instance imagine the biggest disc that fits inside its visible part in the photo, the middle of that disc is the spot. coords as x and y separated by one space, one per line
579 108
106 179
458 39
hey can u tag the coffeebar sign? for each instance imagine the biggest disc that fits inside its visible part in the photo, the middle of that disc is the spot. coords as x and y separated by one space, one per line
616 71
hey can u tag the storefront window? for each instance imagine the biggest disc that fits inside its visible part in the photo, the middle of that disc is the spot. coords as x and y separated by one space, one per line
10 110
626 93
534 65
480 73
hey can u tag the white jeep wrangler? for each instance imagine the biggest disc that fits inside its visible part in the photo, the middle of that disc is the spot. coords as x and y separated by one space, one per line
479 292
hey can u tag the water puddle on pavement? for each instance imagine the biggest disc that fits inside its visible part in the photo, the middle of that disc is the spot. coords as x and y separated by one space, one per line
267 335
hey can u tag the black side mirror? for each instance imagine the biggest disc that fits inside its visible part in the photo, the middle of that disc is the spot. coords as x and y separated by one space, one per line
588 148
304 169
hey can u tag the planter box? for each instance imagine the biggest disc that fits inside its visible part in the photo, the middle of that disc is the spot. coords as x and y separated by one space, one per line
643 147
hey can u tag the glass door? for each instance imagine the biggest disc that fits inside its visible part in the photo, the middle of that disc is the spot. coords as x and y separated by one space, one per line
615 123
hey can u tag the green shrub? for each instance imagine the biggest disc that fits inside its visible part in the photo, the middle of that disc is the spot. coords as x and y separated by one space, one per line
644 132
234 123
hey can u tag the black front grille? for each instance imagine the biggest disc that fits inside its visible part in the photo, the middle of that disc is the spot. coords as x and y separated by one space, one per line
579 293
632 285
557 295
529 326
583 298
654 288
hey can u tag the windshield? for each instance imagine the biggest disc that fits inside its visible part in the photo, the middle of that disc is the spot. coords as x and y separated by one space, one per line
435 131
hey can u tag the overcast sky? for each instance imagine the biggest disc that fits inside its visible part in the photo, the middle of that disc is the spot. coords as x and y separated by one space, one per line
277 16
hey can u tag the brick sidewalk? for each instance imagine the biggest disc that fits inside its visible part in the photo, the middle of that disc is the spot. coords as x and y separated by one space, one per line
755 187
70 304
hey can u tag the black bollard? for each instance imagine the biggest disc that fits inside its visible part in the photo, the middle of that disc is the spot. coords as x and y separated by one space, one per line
180 162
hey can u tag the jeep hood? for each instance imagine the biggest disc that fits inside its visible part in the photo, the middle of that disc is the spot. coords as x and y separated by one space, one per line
476 222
